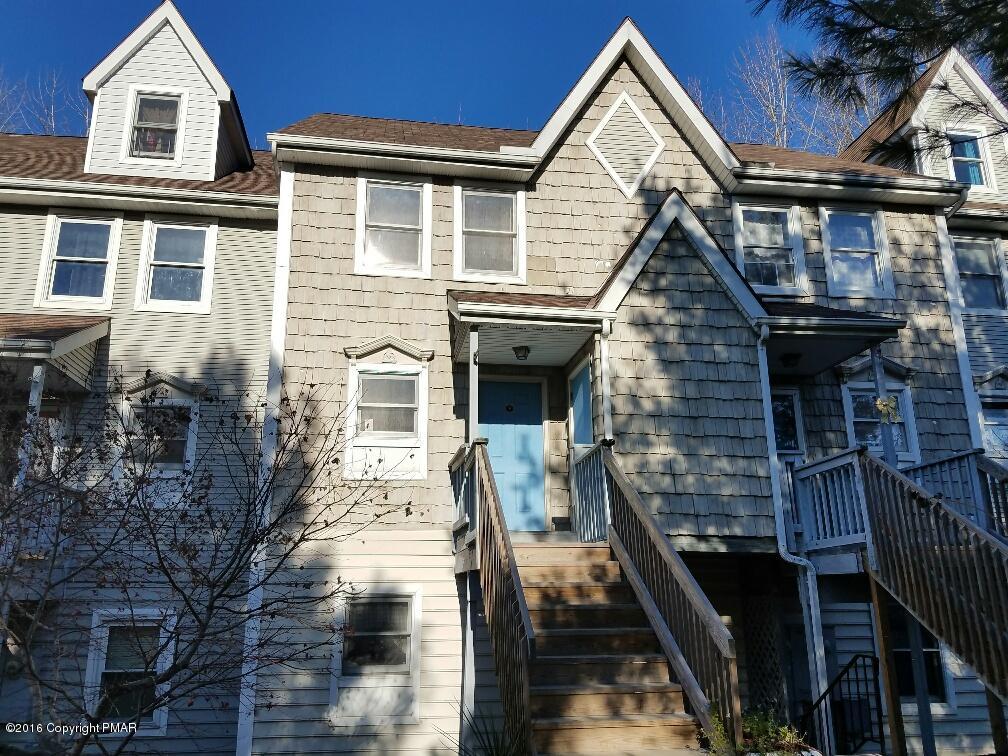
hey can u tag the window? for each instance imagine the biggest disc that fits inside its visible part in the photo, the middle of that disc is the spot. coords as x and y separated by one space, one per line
163 433
980 276
155 126
393 227
769 248
129 646
579 388
489 234
787 422
864 422
377 636
78 264
899 626
967 159
995 421
857 260
176 270
387 429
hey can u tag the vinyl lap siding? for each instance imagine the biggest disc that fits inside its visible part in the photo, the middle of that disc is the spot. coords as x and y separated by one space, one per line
986 340
162 62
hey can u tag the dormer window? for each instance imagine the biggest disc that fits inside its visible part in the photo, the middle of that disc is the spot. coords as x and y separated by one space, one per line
969 161
155 126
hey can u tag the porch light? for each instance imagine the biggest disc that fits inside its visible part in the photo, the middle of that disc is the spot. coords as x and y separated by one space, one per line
521 352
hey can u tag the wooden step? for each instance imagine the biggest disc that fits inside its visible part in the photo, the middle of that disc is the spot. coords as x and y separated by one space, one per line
577 669
597 640
553 701
605 734
538 594
588 615
566 553
578 572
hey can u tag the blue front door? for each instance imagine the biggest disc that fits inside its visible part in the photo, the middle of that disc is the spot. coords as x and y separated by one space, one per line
511 419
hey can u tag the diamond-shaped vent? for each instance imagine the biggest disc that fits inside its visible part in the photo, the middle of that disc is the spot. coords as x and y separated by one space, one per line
626 144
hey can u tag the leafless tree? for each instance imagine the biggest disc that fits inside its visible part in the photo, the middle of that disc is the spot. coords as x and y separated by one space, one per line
43 104
180 561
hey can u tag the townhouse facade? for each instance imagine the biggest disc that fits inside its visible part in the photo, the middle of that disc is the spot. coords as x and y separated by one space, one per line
638 399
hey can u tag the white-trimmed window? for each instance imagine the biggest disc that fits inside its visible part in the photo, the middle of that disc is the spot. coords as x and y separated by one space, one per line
864 422
129 647
769 248
79 260
856 253
393 227
995 427
165 435
176 266
969 159
387 422
489 234
936 669
376 665
789 432
154 131
981 272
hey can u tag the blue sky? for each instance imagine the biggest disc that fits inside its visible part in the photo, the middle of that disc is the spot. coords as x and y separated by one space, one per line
505 64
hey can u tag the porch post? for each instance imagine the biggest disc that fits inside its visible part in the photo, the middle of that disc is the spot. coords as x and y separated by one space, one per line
924 721
999 732
607 430
883 639
34 411
888 444
473 430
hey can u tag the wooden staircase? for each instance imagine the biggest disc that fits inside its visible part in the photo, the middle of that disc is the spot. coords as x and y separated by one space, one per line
599 682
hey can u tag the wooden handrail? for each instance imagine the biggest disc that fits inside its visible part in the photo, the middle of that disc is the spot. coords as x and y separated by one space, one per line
699 647
589 495
825 463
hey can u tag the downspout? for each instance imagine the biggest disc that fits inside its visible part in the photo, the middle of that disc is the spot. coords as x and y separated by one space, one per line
963 196
808 586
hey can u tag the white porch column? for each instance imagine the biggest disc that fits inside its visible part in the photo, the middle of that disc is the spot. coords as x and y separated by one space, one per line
34 410
888 444
473 429
607 429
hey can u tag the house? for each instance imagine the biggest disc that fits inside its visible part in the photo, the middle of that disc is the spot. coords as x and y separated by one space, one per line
136 261
667 349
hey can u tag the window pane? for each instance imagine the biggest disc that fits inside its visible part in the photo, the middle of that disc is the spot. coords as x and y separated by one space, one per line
996 427
374 650
78 279
785 423
165 434
184 245
965 147
176 284
855 270
581 409
128 703
131 648
489 212
982 291
968 172
393 205
83 240
386 420
389 389
869 433
764 228
162 111
399 248
769 267
976 256
379 616
153 142
851 231
494 253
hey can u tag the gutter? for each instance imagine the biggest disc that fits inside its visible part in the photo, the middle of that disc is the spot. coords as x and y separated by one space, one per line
963 196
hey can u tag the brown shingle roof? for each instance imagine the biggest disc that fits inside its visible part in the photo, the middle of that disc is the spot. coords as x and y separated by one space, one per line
781 309
528 300
413 133
44 327
783 157
61 158
894 117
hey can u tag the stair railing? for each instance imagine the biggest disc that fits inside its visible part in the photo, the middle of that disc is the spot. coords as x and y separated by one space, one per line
831 506
590 511
854 700
951 574
509 623
696 641
994 481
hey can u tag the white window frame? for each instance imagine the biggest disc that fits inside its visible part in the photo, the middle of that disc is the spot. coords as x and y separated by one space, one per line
361 265
985 401
380 680
834 288
47 264
795 395
136 91
135 406
796 242
101 620
980 134
150 227
417 470
1000 262
460 273
912 455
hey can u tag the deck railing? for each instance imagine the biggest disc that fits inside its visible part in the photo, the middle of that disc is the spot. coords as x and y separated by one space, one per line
831 505
700 648
854 700
509 623
590 511
994 481
949 572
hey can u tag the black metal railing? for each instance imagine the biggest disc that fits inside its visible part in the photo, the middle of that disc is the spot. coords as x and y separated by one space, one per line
854 700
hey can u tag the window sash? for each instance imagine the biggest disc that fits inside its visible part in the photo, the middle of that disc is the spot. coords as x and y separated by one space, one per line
471 233
405 635
873 421
138 698
154 264
968 161
787 431
983 279
137 133
162 447
80 261
414 406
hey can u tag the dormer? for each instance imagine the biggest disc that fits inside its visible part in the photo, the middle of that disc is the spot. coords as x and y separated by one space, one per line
161 108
